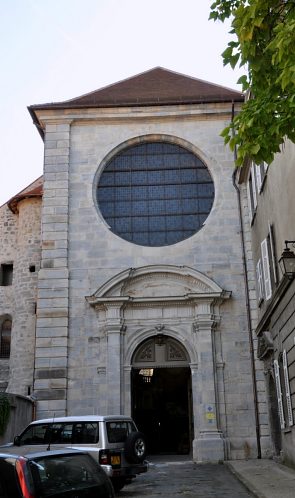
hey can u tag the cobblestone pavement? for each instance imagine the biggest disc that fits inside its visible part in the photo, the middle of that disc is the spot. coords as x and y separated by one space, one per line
185 479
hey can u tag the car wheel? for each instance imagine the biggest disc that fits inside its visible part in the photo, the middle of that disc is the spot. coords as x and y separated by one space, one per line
135 447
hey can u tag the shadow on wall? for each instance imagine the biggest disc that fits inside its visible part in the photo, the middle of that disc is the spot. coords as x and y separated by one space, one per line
20 413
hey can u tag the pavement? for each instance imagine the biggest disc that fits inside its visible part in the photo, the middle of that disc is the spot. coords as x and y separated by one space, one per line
264 478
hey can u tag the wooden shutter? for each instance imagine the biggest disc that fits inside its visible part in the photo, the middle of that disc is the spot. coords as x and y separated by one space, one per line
279 393
253 184
249 202
266 271
273 253
259 278
258 177
287 388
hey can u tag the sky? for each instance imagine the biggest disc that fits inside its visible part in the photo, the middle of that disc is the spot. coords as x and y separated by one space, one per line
55 50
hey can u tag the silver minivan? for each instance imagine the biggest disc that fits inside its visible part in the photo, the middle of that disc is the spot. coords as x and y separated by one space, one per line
112 440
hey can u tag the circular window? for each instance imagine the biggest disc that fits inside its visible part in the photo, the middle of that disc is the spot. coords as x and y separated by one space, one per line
155 194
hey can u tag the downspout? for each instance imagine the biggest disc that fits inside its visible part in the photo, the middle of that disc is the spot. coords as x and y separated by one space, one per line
246 282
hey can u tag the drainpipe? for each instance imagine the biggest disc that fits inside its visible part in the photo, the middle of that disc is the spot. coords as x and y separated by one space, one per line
246 282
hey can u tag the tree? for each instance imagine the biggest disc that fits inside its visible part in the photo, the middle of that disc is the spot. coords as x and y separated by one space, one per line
264 45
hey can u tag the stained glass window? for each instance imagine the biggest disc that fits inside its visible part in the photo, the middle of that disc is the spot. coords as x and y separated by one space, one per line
155 194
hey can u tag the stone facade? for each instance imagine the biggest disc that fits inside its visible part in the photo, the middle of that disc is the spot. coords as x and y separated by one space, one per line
20 246
268 211
100 298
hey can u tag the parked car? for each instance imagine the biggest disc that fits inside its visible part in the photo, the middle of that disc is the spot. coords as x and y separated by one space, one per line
113 441
55 474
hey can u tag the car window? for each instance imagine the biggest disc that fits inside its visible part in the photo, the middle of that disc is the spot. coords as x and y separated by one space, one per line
85 432
118 431
34 434
58 474
61 433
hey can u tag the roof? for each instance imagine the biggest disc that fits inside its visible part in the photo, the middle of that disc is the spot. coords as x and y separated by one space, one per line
158 86
35 189
81 418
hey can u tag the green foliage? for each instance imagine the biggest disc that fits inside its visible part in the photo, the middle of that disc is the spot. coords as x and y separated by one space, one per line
4 413
265 47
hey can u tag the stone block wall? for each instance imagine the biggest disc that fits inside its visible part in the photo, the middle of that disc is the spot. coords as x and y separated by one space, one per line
20 245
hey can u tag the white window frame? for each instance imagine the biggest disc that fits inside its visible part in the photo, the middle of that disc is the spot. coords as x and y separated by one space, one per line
266 269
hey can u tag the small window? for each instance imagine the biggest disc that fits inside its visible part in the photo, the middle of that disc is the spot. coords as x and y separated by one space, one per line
6 274
5 338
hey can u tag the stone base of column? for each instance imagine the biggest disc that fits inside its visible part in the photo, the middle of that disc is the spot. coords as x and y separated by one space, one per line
209 447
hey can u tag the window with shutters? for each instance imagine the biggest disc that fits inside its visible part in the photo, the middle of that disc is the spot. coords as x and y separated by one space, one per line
279 393
272 256
286 390
283 391
256 181
260 174
260 284
266 269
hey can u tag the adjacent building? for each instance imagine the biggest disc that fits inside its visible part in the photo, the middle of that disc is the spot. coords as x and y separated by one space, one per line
127 282
270 207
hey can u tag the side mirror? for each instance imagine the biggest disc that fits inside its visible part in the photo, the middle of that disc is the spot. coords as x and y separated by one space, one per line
16 441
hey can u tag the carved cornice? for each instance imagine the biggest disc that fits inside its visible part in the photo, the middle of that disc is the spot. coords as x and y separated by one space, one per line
191 298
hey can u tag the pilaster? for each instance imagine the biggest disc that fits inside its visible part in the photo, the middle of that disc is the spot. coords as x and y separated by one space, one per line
209 444
51 359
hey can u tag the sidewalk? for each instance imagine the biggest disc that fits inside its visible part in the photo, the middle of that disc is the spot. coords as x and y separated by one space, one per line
264 478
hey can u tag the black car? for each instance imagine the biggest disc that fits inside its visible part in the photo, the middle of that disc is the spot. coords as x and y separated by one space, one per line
55 474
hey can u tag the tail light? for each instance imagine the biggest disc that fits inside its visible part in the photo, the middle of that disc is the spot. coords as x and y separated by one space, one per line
104 457
22 478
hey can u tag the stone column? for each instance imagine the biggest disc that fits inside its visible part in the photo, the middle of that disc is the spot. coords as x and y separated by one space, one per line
208 444
127 391
51 358
114 329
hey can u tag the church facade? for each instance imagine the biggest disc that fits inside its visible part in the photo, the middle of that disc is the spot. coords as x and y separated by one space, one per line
130 293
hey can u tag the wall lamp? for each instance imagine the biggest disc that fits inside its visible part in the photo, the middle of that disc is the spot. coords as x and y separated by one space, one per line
287 260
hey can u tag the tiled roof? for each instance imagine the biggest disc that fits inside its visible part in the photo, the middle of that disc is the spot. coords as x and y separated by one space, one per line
157 86
35 189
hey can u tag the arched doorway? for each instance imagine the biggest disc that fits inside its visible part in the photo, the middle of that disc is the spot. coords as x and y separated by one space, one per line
161 395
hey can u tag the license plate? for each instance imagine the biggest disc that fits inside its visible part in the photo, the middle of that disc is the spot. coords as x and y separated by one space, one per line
115 459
